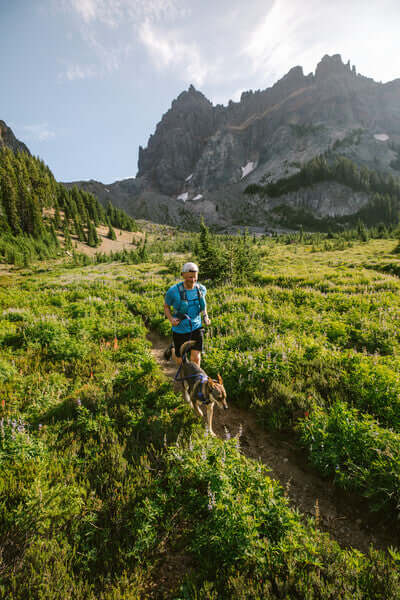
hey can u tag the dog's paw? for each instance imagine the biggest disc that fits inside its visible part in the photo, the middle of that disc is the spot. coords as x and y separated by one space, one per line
212 433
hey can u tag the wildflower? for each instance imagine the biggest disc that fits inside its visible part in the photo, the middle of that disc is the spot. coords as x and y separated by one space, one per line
115 346
227 433
211 498
79 402
40 426
3 402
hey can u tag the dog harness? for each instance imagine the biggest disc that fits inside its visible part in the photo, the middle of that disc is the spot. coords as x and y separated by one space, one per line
200 383
199 388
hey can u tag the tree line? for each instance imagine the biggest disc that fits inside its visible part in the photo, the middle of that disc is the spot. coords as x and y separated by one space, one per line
34 206
384 189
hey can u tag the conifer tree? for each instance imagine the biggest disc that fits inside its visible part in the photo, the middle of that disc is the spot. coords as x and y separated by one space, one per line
93 239
9 196
35 216
212 257
57 216
67 236
111 233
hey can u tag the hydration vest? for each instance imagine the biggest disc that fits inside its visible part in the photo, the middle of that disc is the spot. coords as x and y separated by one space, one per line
184 304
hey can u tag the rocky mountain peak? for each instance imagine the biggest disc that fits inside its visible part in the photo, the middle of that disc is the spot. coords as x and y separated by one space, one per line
332 65
7 138
191 99
178 141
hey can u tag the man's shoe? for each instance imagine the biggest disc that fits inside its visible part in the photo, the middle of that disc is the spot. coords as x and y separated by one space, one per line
168 352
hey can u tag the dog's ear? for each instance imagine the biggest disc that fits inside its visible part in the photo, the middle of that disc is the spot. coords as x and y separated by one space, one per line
219 379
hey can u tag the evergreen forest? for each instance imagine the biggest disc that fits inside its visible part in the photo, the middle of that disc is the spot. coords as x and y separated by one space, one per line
36 211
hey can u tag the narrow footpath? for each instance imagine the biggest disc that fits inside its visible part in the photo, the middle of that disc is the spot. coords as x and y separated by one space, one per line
344 516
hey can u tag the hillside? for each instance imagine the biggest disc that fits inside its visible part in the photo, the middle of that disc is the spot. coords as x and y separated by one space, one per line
111 487
36 212
201 157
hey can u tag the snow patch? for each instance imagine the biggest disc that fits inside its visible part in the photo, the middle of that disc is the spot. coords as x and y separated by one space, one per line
381 137
183 196
189 177
107 190
247 169
198 197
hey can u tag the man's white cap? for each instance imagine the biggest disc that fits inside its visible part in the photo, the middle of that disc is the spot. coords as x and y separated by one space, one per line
190 267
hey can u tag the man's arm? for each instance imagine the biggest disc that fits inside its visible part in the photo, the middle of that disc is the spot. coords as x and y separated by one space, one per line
207 320
167 312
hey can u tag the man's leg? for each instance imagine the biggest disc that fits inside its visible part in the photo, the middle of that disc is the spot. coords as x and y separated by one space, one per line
195 356
177 359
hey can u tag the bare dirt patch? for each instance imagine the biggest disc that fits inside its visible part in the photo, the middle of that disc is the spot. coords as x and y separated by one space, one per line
123 242
345 517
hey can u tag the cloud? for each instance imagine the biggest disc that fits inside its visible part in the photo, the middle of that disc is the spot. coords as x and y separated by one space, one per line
167 50
116 12
285 37
291 34
76 71
109 29
227 46
39 132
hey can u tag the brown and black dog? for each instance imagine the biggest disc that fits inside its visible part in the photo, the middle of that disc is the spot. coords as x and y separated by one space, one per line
199 389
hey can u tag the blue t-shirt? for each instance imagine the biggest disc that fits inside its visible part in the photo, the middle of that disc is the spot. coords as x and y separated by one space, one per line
173 298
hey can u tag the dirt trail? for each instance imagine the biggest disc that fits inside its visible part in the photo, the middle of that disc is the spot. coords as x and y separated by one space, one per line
344 516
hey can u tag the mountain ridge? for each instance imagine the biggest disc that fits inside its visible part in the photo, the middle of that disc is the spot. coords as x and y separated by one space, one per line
201 157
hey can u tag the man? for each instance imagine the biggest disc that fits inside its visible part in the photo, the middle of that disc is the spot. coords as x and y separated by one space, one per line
188 301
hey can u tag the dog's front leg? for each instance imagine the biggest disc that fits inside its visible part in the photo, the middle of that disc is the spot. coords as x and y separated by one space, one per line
185 393
210 411
197 409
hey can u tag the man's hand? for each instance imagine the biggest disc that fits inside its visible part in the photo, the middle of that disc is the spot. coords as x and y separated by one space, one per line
175 321
207 320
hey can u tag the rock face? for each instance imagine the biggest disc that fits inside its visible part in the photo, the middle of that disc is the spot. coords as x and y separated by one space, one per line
200 153
7 138
178 142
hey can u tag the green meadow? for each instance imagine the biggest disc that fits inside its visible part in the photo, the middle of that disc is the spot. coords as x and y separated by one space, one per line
109 487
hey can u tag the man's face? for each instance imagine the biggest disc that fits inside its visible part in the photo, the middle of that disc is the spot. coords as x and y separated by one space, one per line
190 278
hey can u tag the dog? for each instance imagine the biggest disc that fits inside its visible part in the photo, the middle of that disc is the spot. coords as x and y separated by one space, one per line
199 389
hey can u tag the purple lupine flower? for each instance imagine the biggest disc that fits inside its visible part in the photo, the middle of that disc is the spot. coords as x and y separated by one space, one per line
211 498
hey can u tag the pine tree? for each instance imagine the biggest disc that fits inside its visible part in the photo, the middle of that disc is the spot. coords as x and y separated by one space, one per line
95 236
67 236
111 233
93 239
9 194
57 216
35 216
212 257
142 251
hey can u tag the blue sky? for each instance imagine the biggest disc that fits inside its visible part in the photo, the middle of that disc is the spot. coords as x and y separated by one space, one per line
84 82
